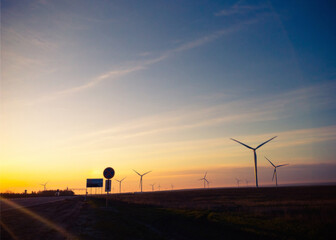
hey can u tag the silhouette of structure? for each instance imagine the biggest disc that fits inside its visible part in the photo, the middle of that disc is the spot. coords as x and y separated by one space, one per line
238 181
152 186
172 186
120 181
247 182
255 155
275 171
141 175
44 186
159 187
204 180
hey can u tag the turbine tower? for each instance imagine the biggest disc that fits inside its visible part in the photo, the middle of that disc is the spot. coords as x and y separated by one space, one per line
159 186
247 181
141 175
255 155
238 181
45 186
172 186
275 172
152 186
204 180
119 181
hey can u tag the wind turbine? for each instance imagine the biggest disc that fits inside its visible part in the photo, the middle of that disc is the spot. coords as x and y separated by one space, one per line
247 181
141 175
119 181
255 155
45 186
152 186
275 172
204 179
172 186
159 187
238 181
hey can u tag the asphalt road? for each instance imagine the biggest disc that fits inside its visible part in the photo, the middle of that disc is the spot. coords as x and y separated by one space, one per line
28 202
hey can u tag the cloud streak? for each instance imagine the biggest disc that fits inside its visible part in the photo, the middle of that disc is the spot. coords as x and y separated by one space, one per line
238 9
269 108
145 63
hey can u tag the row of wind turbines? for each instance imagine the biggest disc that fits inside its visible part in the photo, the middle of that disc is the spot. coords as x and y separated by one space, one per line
206 181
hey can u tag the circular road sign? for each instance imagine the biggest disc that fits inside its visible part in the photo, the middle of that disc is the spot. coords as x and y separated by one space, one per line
109 173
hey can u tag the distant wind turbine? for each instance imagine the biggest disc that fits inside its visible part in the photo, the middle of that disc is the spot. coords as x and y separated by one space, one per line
255 155
247 182
238 181
204 179
172 186
120 181
275 171
159 187
152 186
141 175
45 186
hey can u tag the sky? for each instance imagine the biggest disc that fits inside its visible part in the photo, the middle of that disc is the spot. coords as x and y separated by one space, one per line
163 86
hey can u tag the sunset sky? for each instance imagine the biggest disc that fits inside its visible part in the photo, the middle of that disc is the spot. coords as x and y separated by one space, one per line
163 86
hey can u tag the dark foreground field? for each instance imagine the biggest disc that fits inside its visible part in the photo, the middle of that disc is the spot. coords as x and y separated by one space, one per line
245 213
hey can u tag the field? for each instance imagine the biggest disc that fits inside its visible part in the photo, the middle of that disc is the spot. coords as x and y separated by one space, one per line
244 213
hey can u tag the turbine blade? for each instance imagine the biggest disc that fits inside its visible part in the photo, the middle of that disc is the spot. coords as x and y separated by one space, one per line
282 165
265 142
205 174
270 162
146 173
122 179
137 172
242 143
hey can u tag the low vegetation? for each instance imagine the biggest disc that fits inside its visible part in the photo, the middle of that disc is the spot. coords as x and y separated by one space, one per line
47 193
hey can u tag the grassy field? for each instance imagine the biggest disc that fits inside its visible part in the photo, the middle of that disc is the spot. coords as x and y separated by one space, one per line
244 213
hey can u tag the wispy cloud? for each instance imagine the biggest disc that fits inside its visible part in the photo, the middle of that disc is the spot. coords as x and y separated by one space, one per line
136 66
268 108
239 8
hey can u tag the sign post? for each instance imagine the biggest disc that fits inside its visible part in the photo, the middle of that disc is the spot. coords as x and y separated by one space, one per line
108 174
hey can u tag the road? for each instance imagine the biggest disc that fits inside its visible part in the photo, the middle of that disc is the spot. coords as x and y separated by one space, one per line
11 204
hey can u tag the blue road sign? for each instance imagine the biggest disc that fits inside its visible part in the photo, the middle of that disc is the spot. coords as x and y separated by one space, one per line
94 182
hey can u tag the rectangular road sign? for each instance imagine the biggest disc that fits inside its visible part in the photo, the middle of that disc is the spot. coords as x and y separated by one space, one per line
107 185
94 182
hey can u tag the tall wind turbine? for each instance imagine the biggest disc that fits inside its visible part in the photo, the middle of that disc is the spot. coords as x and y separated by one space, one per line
255 155
45 186
141 175
120 181
204 179
159 187
247 181
275 172
152 186
238 181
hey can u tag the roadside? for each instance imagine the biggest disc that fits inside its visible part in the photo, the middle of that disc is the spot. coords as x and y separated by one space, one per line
46 221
